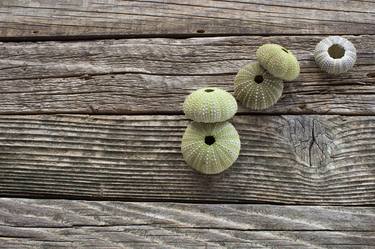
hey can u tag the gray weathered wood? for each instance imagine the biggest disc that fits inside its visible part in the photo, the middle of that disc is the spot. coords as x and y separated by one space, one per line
155 75
20 18
26 223
284 159
308 159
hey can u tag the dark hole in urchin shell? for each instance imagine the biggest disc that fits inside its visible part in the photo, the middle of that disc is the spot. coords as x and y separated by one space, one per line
258 79
209 90
284 49
336 51
209 140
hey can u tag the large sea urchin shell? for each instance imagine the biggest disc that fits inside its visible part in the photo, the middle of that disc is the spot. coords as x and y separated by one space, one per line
255 88
210 105
278 61
335 55
210 148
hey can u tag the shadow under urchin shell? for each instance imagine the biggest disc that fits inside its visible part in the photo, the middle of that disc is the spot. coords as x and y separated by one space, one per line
210 105
335 55
210 148
255 88
278 61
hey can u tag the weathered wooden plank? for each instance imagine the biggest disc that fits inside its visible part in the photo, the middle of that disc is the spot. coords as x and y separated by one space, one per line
155 75
284 159
21 18
30 223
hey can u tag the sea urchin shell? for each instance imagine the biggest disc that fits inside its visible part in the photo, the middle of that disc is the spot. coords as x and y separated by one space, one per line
210 105
255 88
210 148
278 61
335 55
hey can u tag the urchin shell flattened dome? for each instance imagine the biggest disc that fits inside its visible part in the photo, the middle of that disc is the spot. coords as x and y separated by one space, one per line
210 148
278 61
335 55
255 88
210 105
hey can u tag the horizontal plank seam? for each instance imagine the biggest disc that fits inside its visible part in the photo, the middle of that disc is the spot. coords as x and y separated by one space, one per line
173 113
172 35
191 227
173 201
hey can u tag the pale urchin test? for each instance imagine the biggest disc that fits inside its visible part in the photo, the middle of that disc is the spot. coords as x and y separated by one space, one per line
210 148
210 105
255 88
335 55
278 61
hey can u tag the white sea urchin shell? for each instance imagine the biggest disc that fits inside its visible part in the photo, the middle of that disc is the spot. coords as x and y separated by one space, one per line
335 55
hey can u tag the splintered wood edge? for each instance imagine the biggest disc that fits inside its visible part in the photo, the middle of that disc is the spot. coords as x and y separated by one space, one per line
284 159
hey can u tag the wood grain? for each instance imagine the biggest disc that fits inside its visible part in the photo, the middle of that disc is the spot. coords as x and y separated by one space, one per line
146 76
84 18
26 223
284 159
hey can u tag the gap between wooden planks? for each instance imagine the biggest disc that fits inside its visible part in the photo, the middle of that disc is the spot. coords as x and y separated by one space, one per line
307 159
149 76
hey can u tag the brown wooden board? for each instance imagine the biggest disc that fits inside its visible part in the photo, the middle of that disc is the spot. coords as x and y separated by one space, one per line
148 76
284 159
83 18
131 64
26 223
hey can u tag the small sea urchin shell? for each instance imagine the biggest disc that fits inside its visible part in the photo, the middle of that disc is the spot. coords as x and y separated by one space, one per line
278 61
210 105
255 88
210 148
335 55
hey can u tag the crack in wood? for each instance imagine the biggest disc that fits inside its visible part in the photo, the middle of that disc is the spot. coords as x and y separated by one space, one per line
311 139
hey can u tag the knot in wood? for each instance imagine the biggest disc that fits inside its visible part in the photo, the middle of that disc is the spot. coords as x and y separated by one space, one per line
311 140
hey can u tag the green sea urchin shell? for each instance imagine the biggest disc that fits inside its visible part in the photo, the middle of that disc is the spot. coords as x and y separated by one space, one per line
255 88
210 148
335 55
278 61
210 105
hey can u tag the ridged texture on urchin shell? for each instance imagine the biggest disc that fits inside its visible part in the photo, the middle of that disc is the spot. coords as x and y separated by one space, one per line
208 158
253 95
335 55
278 61
210 105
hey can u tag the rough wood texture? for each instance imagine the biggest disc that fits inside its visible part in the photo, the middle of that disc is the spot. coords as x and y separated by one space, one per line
155 75
306 159
284 159
80 224
37 18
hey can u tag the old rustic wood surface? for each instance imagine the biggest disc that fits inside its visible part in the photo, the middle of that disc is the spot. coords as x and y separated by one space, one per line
82 224
154 75
91 123
322 159
21 18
